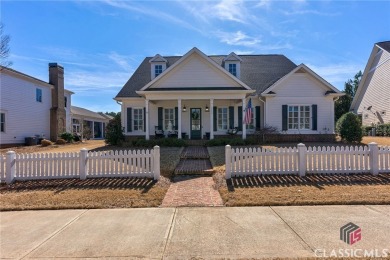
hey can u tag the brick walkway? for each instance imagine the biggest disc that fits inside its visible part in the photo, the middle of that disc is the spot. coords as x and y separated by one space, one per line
192 191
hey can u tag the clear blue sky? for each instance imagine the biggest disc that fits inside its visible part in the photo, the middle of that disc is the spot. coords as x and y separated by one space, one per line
101 43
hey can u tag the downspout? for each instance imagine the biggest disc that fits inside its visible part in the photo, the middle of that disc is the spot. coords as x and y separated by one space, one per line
264 110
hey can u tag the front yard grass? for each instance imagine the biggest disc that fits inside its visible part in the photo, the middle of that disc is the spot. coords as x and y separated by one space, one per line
92 193
276 190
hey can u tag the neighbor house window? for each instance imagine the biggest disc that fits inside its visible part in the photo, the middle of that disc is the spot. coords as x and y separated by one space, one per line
157 70
169 118
38 96
299 117
233 69
76 125
222 118
138 119
2 122
65 101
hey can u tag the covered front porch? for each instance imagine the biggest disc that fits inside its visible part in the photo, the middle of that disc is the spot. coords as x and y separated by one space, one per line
191 115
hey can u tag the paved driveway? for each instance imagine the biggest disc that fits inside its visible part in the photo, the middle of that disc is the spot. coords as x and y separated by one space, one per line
177 233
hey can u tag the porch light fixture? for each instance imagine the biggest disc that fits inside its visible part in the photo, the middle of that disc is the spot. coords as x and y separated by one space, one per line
184 108
207 108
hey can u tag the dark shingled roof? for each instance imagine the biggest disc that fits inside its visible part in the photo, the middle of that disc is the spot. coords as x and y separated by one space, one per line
257 71
384 45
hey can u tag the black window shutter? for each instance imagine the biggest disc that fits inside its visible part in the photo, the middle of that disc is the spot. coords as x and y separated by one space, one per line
231 117
144 119
176 118
284 118
160 118
240 118
257 115
129 119
314 117
215 118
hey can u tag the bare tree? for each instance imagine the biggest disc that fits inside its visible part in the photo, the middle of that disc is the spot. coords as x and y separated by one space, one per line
4 48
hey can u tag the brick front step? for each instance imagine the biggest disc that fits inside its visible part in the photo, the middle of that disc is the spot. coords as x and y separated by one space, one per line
195 152
197 166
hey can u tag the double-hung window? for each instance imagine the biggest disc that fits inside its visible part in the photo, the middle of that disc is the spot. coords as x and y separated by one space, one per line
38 95
299 117
138 119
2 122
157 70
169 118
222 118
233 69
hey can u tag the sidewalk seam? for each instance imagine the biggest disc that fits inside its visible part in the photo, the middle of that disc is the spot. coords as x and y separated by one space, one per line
55 233
378 211
169 233
302 241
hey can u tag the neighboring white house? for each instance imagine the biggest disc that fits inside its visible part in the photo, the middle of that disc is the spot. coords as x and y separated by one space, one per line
32 107
203 95
372 98
95 121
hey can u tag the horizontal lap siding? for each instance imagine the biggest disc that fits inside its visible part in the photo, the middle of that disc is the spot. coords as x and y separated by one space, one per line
24 115
377 94
301 89
195 72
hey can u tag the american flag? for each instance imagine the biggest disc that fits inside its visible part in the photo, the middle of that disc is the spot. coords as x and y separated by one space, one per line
248 113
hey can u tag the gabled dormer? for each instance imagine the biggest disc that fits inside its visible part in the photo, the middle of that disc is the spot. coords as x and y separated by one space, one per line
232 64
157 65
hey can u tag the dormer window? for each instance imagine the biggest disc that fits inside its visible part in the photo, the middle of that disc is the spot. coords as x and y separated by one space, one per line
157 66
233 69
233 64
158 69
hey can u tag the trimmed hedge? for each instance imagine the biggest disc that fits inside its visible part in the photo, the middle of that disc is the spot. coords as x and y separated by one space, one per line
163 142
349 127
383 130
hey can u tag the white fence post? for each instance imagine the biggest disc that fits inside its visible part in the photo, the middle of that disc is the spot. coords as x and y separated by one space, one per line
156 159
10 167
228 158
374 167
302 159
83 163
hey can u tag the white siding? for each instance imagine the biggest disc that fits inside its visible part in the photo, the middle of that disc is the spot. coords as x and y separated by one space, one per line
24 115
195 72
68 113
377 94
301 89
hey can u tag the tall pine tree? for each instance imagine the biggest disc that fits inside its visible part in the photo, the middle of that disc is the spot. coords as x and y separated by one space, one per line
343 104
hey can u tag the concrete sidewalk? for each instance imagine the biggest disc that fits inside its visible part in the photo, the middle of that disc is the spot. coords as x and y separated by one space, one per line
181 233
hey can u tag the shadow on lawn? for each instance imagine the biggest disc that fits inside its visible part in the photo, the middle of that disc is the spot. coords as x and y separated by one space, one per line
143 184
316 180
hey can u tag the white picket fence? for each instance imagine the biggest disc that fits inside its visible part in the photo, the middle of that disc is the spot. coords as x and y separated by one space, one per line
83 164
304 160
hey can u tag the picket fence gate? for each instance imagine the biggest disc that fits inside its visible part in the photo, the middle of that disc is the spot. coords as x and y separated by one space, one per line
83 164
304 160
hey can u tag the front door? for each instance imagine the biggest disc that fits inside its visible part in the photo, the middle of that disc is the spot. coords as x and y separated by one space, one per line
196 123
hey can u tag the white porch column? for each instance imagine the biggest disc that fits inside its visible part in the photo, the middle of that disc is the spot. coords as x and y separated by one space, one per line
147 137
179 118
93 130
211 118
243 117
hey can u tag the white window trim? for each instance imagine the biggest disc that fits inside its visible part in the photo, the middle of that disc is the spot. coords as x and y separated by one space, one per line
174 118
299 116
5 120
227 119
132 118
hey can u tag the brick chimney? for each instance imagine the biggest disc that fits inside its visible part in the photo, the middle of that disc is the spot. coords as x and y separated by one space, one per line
57 111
